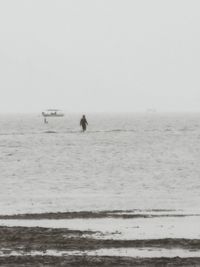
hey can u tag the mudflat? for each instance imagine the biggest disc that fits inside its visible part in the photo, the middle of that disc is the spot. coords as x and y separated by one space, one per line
31 245
80 261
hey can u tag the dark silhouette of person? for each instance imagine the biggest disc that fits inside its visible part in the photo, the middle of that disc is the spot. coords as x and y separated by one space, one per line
83 123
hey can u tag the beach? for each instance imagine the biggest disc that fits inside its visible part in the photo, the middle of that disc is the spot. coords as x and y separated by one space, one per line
49 239
99 133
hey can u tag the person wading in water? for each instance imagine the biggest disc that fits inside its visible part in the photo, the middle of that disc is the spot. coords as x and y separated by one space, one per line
84 123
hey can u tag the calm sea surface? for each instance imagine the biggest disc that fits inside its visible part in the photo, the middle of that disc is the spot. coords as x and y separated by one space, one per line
130 161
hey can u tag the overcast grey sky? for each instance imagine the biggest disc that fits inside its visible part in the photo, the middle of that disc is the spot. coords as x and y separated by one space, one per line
99 55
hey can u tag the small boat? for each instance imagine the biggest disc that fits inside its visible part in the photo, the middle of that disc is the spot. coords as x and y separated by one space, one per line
52 113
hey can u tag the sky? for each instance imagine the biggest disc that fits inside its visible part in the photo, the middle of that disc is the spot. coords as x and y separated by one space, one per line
99 55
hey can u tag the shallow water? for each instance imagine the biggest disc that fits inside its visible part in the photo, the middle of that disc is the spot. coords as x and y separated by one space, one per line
123 229
119 252
130 161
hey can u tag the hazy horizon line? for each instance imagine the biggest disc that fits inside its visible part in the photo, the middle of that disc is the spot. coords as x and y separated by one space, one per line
104 112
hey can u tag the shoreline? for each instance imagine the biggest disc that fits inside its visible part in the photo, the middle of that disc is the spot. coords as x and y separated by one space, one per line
78 261
29 245
25 240
124 214
65 239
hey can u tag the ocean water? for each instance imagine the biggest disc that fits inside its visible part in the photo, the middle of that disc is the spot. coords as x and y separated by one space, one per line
123 162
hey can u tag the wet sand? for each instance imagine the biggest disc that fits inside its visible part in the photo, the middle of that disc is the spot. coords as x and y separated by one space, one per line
27 239
24 241
41 239
79 261
128 214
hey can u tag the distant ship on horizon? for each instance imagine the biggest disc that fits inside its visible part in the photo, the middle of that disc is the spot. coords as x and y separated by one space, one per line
53 113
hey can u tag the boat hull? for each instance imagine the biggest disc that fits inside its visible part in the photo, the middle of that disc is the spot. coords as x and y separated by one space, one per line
51 115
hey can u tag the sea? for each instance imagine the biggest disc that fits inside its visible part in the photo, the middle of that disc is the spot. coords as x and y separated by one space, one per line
137 161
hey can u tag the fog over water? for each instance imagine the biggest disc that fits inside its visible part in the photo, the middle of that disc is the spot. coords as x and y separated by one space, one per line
99 55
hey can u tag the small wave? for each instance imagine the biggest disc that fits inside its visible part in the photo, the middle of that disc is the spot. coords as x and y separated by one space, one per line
50 132
113 131
89 131
121 130
18 134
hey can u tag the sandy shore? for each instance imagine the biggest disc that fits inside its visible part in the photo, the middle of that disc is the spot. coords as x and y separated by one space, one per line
24 240
99 214
78 261
37 238
29 246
